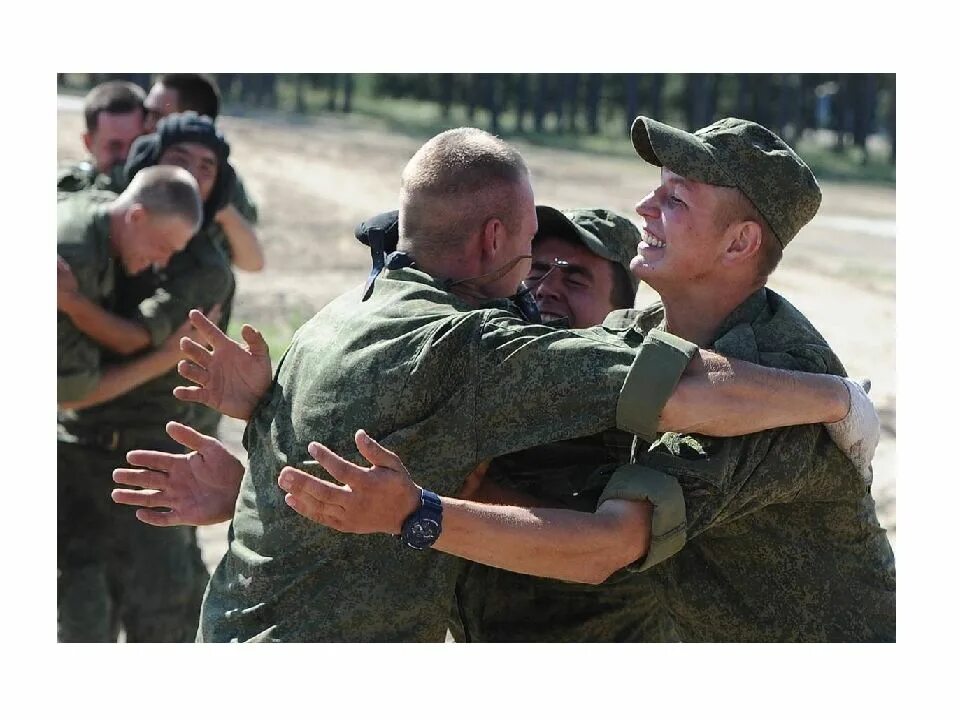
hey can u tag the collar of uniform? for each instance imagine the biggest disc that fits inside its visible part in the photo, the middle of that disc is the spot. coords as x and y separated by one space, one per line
745 313
412 274
101 223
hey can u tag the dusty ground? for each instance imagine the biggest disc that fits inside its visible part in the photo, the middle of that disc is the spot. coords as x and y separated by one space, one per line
315 179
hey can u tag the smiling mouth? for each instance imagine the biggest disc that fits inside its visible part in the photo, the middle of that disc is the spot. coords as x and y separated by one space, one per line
548 316
648 240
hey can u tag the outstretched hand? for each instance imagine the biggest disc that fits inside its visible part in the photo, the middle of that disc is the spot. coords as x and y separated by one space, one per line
374 499
230 377
198 488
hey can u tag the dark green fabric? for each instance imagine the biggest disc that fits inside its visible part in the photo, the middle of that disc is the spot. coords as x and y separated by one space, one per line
113 570
783 541
84 176
83 240
441 384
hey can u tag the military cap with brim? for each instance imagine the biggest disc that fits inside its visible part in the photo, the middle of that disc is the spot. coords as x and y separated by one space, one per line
603 232
741 154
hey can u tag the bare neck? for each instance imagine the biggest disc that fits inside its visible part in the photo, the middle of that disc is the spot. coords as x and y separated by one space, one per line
696 313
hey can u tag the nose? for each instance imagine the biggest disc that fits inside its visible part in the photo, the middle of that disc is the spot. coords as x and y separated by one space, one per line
648 207
548 286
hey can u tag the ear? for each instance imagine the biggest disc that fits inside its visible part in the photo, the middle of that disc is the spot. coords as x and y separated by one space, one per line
88 141
491 237
743 241
135 215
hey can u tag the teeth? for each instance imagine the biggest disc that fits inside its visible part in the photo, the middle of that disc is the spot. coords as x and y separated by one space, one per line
650 241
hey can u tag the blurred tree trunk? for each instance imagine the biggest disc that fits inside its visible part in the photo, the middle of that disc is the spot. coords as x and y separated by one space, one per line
571 92
471 92
347 92
540 102
656 96
591 102
491 100
522 89
631 97
446 95
892 121
299 104
840 111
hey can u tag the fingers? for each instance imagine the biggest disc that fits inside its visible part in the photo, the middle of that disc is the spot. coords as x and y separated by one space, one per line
186 435
302 484
329 515
208 331
191 394
341 470
254 340
153 459
139 498
375 453
193 372
153 480
160 518
195 351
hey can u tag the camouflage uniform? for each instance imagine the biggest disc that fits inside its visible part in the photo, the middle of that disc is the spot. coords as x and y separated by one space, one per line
493 605
111 565
781 540
205 419
445 386
84 175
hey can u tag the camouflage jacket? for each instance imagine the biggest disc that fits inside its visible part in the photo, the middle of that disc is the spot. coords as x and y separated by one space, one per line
781 539
245 206
494 605
445 386
85 176
83 240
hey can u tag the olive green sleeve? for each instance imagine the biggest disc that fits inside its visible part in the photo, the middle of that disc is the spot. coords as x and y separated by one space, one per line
242 202
200 280
660 362
669 526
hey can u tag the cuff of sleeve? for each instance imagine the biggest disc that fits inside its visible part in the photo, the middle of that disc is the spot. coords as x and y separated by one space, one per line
668 531
152 317
74 387
655 373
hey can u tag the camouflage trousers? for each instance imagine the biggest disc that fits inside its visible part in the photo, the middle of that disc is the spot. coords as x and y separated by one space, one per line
114 571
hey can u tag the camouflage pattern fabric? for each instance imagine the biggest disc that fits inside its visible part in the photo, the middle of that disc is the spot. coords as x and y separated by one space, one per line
440 383
83 240
112 569
152 577
782 537
84 176
737 153
494 605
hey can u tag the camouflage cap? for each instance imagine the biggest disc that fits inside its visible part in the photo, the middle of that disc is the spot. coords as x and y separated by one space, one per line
604 233
741 154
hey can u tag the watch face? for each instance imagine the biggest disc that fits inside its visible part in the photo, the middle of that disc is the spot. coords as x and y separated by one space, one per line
421 533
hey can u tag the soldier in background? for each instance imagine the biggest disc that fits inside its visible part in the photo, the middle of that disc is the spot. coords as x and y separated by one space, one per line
114 117
110 570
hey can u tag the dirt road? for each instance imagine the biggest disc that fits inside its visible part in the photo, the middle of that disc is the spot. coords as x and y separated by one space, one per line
314 179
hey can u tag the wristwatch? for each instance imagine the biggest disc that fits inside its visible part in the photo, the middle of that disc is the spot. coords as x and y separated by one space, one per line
422 528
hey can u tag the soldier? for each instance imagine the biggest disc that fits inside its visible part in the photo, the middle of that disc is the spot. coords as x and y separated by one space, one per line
158 303
437 363
771 536
580 273
114 116
151 221
233 231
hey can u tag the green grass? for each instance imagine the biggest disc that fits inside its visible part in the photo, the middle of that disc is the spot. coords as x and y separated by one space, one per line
277 333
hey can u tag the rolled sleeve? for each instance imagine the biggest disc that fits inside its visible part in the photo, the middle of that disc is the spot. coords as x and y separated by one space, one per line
668 532
76 386
653 377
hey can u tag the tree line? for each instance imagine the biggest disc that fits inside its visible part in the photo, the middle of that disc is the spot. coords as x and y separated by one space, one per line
852 106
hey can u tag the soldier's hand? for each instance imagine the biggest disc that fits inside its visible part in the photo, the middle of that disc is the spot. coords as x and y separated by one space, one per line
230 377
369 500
474 482
198 488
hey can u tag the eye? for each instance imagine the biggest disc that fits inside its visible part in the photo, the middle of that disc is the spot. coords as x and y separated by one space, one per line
674 200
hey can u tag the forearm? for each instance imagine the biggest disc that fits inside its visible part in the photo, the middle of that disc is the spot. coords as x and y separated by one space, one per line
244 245
493 493
727 397
111 331
117 380
562 544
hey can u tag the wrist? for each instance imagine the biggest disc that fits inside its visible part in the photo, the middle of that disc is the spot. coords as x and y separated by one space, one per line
68 301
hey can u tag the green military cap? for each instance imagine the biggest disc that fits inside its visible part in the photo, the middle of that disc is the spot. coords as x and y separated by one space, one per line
741 154
603 232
